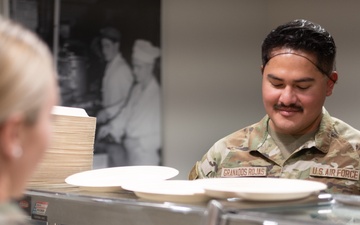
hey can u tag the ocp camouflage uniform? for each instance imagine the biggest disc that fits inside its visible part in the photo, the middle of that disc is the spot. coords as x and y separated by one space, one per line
332 157
11 214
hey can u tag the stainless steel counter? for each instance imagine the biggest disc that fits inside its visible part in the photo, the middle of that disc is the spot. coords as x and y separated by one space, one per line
79 207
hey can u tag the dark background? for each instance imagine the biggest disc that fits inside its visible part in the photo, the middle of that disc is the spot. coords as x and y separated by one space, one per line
134 18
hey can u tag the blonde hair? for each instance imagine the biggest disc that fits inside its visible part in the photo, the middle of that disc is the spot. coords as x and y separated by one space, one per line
26 70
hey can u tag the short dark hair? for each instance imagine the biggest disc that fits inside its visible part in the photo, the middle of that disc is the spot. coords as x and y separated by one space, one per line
111 33
303 35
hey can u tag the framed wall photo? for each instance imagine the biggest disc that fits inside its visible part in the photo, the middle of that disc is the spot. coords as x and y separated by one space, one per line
107 54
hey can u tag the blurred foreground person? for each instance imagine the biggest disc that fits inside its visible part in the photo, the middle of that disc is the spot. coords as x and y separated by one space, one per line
136 130
28 92
297 138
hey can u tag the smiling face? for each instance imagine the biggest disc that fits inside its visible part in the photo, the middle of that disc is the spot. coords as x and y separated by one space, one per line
294 91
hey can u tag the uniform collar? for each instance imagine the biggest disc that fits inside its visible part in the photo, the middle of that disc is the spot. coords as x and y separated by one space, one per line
258 140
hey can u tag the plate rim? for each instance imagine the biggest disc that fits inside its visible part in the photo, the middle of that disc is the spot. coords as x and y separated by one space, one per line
140 190
211 189
173 198
69 178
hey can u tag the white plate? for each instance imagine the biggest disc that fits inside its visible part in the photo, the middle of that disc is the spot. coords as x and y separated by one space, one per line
181 191
260 189
347 199
111 179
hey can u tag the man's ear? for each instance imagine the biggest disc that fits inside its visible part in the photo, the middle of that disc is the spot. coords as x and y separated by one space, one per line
331 83
10 136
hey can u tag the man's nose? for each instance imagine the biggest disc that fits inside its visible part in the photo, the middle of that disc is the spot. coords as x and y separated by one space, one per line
288 96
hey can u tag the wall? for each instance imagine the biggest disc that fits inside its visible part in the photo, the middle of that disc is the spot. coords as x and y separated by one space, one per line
211 62
211 73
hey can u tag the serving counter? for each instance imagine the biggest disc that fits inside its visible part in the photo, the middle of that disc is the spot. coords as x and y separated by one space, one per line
80 207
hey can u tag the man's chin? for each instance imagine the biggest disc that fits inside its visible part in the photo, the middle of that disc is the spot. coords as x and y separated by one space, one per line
285 125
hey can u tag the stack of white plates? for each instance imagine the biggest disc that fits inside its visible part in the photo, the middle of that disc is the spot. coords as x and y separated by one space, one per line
71 149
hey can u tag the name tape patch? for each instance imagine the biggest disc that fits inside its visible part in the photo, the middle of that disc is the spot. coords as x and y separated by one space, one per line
244 172
349 174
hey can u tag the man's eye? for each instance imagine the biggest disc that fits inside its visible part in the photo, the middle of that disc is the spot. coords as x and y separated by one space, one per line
276 85
303 87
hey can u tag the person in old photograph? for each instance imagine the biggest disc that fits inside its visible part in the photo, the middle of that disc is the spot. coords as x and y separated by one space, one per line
136 130
28 86
116 83
117 78
297 138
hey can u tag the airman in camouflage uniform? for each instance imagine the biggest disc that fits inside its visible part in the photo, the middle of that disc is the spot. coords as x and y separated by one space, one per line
332 156
296 56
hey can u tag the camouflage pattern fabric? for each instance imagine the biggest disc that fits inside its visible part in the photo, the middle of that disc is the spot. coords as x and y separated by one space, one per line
11 214
332 158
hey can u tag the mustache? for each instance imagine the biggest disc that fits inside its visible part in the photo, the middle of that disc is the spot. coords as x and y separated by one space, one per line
291 107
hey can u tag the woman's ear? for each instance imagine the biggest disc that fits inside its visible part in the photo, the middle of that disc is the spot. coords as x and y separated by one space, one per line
10 137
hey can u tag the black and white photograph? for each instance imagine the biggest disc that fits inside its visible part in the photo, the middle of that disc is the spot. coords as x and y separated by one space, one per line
107 54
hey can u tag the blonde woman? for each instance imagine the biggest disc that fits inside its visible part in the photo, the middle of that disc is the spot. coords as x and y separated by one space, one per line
28 92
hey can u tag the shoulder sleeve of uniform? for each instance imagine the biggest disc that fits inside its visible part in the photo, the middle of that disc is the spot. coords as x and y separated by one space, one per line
193 175
348 133
209 164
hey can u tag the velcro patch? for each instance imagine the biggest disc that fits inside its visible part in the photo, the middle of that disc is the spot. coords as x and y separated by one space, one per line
244 172
323 171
